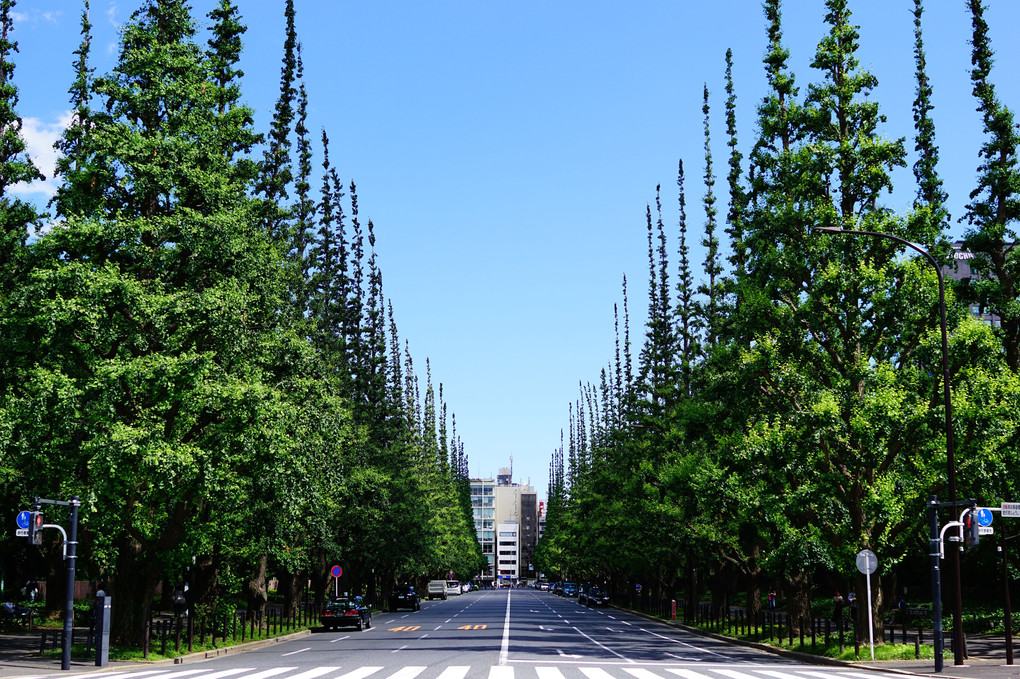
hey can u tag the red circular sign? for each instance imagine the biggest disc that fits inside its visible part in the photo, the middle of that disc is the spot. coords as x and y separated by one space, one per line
336 571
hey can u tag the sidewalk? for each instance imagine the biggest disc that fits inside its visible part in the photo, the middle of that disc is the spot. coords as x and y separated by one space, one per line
19 657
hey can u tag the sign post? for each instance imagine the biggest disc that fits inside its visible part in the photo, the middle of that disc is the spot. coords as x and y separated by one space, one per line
867 563
336 572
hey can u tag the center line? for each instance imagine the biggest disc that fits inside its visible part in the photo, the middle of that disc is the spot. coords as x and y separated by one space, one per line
298 651
504 650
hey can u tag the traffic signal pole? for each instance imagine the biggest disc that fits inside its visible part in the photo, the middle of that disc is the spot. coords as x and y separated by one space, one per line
70 556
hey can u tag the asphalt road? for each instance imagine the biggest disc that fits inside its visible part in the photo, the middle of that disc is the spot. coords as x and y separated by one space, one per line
505 634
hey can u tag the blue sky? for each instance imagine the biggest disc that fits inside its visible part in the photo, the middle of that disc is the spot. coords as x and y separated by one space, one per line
506 152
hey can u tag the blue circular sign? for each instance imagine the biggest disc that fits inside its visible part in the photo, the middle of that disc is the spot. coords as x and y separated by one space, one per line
984 516
23 519
336 571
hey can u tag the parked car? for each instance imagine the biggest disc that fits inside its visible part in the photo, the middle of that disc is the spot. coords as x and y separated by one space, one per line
404 596
437 589
569 589
453 588
347 612
557 588
596 597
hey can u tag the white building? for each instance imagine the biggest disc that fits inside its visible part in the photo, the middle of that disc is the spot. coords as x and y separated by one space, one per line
508 552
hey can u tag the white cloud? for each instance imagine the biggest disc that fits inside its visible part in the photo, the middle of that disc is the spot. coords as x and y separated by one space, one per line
39 138
33 16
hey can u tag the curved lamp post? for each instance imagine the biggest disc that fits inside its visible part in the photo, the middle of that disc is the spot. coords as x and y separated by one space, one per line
950 451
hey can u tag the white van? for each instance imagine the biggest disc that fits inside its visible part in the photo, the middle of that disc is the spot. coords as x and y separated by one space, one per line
452 588
437 589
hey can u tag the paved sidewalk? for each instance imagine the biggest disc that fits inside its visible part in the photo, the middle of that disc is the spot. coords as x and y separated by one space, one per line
19 656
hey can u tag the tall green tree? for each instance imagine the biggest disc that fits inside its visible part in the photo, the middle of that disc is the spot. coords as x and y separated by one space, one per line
994 206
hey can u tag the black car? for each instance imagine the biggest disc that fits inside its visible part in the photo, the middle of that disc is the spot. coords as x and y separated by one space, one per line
595 596
347 612
404 596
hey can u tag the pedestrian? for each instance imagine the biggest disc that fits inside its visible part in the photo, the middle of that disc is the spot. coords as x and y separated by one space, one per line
772 600
837 606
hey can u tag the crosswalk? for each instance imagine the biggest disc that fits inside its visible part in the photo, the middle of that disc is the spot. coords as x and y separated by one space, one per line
509 671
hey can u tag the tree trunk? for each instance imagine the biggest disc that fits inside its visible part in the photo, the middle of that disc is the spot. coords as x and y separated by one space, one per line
131 590
256 590
291 586
798 601
877 604
320 579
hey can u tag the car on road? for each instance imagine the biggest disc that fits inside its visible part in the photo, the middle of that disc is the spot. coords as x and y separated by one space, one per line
453 588
404 596
596 596
346 612
569 589
437 589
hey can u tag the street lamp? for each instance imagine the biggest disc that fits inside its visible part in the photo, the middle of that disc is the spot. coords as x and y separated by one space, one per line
950 446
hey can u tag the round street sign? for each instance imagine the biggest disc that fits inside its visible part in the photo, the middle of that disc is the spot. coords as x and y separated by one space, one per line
23 519
984 516
336 571
867 562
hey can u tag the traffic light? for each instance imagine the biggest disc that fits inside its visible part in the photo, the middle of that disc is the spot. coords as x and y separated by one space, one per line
971 534
35 526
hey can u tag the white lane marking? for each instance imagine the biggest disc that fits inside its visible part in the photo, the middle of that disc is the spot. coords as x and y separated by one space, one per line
549 673
566 655
264 674
779 675
602 646
736 674
641 673
683 643
314 672
454 672
504 649
346 636
409 672
359 673
501 672
596 673
301 650
148 674
394 651
686 674
227 673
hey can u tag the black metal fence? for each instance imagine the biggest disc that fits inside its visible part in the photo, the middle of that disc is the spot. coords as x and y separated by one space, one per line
181 631
775 626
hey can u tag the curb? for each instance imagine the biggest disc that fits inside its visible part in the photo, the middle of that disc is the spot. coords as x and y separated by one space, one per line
229 650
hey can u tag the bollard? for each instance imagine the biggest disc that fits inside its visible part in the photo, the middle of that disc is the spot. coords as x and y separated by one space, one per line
103 605
917 647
